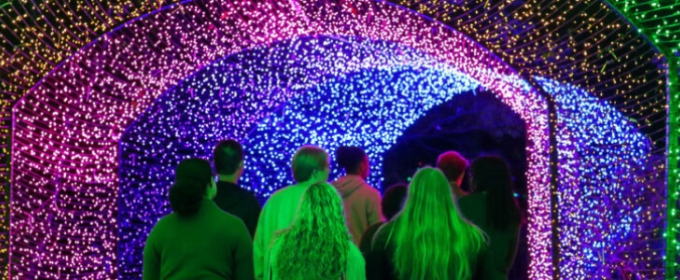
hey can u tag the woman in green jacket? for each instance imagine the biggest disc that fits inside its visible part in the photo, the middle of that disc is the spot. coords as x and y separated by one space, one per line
317 245
197 240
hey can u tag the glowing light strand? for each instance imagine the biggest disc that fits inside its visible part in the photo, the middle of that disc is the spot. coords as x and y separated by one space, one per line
69 124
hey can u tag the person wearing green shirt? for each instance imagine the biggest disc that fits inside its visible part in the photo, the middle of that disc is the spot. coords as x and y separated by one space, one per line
197 240
310 165
317 245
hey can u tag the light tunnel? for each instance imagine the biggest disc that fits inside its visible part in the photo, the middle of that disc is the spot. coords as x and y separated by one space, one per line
170 84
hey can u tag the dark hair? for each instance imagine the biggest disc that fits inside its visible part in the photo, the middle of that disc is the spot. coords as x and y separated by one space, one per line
306 160
393 200
452 164
227 156
350 158
191 180
491 174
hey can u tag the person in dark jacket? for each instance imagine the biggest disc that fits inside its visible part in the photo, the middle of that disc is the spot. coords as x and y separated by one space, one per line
392 202
197 240
493 207
429 238
228 159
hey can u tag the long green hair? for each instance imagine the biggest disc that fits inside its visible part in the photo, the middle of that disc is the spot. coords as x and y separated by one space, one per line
432 240
317 243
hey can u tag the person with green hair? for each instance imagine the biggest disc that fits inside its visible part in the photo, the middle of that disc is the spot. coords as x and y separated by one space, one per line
317 245
429 238
310 165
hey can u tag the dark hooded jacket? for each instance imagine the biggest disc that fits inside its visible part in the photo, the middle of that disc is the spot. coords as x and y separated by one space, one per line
239 202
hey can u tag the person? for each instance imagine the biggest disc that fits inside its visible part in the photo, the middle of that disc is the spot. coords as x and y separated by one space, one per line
361 201
317 245
453 164
429 238
310 166
197 240
392 202
493 207
228 159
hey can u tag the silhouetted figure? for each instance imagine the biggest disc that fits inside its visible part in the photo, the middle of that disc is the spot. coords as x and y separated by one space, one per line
492 207
453 165
317 245
429 238
197 240
392 202
361 201
228 159
310 166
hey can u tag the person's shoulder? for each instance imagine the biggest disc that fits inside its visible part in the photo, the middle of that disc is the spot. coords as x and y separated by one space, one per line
354 252
225 216
370 190
163 225
281 196
229 221
383 231
247 194
472 199
284 192
167 220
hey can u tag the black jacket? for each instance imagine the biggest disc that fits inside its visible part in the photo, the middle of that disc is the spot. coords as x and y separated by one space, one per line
238 202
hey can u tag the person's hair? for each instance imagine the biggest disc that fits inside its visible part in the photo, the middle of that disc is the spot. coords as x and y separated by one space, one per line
350 158
393 200
452 164
227 156
192 177
432 239
306 160
491 174
316 245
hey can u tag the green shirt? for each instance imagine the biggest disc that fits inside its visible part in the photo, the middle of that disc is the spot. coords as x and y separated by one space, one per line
278 213
209 245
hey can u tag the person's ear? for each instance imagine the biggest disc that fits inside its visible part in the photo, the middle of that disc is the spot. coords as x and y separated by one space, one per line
240 167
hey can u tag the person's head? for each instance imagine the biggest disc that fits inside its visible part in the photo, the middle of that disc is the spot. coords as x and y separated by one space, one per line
310 164
453 165
354 160
393 200
193 183
228 158
432 239
491 175
318 239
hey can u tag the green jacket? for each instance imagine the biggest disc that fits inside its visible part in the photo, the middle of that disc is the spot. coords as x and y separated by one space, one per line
209 245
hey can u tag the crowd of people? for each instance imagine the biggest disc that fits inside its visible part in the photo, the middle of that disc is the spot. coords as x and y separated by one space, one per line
428 229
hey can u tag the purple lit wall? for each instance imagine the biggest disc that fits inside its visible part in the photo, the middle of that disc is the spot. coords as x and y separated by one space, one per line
95 140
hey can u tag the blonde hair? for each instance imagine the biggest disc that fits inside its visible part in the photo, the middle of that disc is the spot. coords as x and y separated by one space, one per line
432 239
317 243
306 160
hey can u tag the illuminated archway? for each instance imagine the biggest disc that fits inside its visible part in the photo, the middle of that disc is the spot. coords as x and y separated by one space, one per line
65 151
67 128
368 106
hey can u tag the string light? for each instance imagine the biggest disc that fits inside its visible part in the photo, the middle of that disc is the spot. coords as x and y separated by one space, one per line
217 103
530 37
609 186
67 127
